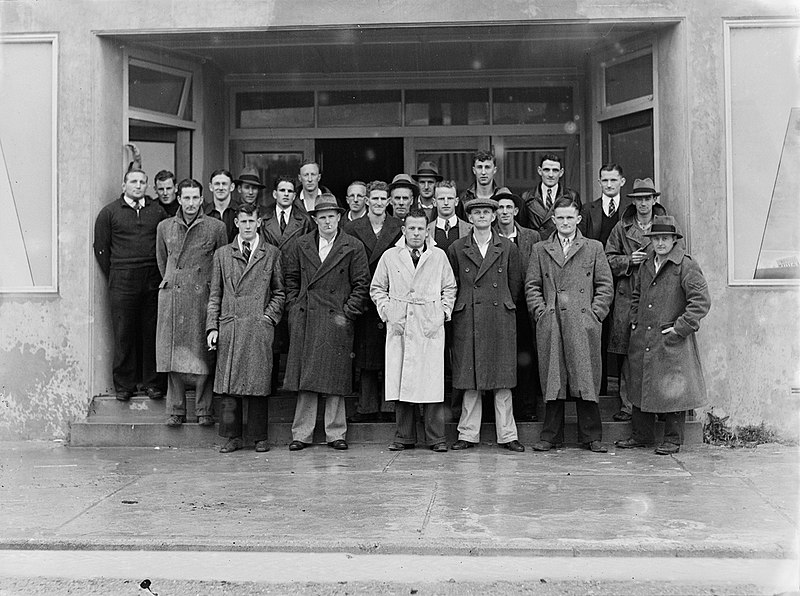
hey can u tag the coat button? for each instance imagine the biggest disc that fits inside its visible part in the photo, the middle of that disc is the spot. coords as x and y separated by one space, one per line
411 291
581 290
495 303
466 269
583 310
332 290
649 327
494 285
649 306
647 349
499 269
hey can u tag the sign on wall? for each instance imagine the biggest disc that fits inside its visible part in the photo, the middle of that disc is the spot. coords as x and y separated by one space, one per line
27 163
762 67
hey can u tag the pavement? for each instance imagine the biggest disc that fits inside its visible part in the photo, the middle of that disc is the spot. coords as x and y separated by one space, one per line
709 506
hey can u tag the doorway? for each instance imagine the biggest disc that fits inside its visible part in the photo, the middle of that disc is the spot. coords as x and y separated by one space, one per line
345 160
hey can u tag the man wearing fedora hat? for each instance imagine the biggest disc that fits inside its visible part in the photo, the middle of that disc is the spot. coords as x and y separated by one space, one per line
427 176
249 185
327 286
669 300
403 192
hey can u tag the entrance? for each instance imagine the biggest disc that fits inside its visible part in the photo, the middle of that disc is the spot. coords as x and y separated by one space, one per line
345 160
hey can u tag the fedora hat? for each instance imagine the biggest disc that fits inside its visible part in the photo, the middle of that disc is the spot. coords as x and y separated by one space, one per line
326 202
427 169
404 181
505 193
249 175
475 203
644 188
664 224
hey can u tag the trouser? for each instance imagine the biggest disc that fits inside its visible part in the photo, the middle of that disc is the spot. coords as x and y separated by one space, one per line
643 422
369 397
305 417
526 393
469 425
233 420
176 393
133 294
590 428
624 374
605 337
406 419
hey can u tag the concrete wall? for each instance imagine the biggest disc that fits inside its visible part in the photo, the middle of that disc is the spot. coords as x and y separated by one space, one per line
55 350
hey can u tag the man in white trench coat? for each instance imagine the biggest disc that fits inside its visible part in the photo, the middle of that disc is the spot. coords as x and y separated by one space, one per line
414 291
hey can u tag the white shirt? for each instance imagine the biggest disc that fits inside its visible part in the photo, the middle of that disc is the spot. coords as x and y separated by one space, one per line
567 241
483 247
286 210
453 219
253 245
133 203
513 233
553 193
659 262
607 202
310 203
325 246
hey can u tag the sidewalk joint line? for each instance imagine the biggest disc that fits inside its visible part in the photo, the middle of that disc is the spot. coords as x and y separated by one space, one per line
95 504
391 461
427 517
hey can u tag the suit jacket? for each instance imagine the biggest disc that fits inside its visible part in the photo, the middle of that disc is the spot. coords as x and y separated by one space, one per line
299 224
534 215
591 223
463 229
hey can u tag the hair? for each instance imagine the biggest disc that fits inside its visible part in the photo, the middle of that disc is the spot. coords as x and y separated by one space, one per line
377 185
216 173
566 201
164 175
133 171
610 167
446 184
188 183
551 157
357 183
513 198
416 212
309 162
248 209
482 155
284 178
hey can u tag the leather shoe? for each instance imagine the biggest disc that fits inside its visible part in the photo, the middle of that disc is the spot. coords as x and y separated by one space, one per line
232 445
622 416
154 393
667 449
175 420
513 446
262 446
459 445
595 447
358 417
400 446
205 420
338 444
630 443
124 395
297 446
440 448
546 446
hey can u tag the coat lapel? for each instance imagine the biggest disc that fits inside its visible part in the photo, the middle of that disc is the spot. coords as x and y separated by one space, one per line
472 252
554 249
576 245
309 246
334 256
493 252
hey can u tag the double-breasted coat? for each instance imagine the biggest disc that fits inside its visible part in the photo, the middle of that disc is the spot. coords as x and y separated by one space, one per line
626 238
568 297
484 316
414 302
185 255
323 300
370 329
534 215
666 374
244 306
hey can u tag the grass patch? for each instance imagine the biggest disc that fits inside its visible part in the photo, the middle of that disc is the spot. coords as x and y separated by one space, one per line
717 431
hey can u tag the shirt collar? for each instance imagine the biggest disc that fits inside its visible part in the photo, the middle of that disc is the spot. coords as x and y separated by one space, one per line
453 219
607 200
131 203
544 188
253 243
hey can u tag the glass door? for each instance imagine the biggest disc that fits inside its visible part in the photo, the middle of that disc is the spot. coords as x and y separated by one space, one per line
453 156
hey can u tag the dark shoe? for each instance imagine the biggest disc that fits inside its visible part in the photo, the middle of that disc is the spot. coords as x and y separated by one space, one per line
440 448
667 449
459 445
595 447
622 416
175 420
546 446
124 395
297 446
401 446
513 446
338 444
205 420
232 445
358 417
154 393
262 447
630 443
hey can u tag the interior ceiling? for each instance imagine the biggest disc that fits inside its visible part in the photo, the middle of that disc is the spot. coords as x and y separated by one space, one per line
392 50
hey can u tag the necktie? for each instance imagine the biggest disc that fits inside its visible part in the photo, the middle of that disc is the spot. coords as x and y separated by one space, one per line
447 227
137 206
549 202
415 256
567 244
246 250
612 208
283 221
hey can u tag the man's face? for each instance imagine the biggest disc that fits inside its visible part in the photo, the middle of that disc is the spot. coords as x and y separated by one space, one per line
190 201
327 222
401 201
551 172
134 185
248 192
377 201
426 186
506 212
310 176
610 182
415 230
247 224
663 243
481 217
484 171
566 220
165 189
356 197
222 187
284 194
644 205
446 201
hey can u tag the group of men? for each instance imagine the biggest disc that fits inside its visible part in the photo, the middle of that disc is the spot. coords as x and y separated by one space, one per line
412 281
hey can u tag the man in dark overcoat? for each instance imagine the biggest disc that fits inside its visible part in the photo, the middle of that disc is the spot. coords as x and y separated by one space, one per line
569 290
377 231
489 275
538 202
327 286
245 305
185 246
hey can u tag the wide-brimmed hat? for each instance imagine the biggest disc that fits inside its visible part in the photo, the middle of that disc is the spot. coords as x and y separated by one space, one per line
505 193
249 175
326 202
475 203
404 181
664 224
427 169
644 188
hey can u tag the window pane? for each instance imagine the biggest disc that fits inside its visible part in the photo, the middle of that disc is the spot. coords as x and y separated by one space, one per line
541 105
453 165
629 80
520 167
359 108
446 107
271 110
154 90
271 165
628 141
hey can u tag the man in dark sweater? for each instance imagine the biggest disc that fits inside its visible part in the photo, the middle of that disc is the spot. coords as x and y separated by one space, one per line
125 248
